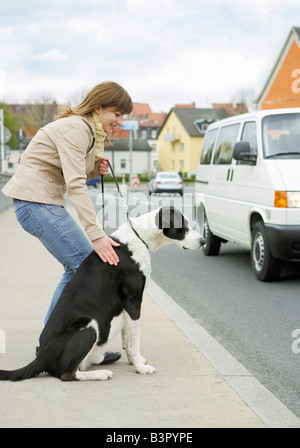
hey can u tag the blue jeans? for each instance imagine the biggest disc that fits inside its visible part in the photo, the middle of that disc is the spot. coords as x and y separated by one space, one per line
60 235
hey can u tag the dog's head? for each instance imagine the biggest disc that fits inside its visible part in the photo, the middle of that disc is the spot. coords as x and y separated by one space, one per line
160 227
176 228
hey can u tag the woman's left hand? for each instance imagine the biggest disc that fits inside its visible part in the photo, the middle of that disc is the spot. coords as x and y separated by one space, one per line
104 247
103 166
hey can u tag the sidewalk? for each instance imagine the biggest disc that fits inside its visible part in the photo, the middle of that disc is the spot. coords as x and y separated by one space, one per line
187 391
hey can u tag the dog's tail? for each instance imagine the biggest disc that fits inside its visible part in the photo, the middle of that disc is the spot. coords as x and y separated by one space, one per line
32 369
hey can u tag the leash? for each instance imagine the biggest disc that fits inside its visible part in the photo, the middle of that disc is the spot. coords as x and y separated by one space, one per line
123 202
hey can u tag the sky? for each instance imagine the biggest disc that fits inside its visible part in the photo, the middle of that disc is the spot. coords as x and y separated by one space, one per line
163 52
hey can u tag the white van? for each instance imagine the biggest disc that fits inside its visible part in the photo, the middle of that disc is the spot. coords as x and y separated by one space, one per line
248 181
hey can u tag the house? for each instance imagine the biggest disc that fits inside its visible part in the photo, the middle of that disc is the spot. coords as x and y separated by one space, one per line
282 88
119 156
181 136
145 147
232 109
149 124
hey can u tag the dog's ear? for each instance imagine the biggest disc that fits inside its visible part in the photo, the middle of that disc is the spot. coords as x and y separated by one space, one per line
164 218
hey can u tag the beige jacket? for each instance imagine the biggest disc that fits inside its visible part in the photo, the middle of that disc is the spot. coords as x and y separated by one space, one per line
60 158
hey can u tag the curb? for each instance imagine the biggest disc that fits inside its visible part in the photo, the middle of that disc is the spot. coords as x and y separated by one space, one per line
271 411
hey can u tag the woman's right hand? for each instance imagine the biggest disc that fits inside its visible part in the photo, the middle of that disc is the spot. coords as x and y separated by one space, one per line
103 166
104 248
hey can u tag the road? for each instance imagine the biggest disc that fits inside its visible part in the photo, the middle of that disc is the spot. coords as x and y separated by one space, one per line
256 322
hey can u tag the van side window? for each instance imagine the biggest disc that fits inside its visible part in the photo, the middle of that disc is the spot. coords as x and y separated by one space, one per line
250 135
225 144
208 146
281 136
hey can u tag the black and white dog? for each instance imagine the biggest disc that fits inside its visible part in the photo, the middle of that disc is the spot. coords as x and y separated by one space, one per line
100 300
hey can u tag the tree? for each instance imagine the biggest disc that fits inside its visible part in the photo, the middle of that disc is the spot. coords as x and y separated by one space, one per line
77 97
39 111
11 123
244 100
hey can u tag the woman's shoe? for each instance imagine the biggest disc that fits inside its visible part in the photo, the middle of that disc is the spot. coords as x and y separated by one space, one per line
110 357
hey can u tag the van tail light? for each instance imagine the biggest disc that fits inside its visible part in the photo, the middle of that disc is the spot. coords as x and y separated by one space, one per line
281 200
158 182
180 182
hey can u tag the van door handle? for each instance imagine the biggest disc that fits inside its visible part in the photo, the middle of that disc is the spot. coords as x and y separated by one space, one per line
230 176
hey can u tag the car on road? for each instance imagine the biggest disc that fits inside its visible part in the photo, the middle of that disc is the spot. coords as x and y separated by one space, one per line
166 182
94 182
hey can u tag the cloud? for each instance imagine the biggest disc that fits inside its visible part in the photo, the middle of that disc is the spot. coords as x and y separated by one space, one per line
163 51
12 50
54 55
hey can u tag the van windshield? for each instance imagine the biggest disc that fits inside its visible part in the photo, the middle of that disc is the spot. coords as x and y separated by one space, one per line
281 136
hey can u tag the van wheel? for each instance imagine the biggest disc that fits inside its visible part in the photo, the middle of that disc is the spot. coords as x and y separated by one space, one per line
266 268
213 243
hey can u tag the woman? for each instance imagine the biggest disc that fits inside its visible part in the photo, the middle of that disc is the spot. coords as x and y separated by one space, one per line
60 158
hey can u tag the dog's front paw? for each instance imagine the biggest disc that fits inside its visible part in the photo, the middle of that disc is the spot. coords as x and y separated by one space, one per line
94 375
143 360
145 369
105 374
136 360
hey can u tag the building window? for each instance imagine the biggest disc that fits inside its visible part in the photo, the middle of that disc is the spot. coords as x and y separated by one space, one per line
181 147
153 133
181 164
123 164
202 124
144 133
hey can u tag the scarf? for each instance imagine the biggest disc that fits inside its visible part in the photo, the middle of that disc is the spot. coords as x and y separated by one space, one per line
100 136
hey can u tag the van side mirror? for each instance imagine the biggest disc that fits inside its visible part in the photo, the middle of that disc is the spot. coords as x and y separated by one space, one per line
242 152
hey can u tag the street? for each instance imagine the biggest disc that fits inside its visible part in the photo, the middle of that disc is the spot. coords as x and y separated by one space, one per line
255 322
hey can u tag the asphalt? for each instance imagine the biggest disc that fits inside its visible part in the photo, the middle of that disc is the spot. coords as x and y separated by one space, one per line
197 383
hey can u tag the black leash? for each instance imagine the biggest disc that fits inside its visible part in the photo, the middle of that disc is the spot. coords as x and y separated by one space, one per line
123 201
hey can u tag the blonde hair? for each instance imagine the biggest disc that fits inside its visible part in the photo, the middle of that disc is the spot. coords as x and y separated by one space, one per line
106 94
